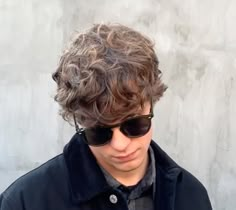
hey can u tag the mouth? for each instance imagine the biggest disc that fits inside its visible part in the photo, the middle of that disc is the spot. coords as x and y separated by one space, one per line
125 158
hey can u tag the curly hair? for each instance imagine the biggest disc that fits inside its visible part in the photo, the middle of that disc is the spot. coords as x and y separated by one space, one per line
107 74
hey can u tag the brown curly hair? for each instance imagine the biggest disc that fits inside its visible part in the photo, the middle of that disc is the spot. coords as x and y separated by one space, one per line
107 74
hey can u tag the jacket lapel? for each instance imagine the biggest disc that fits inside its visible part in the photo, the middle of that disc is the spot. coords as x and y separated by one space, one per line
85 176
167 175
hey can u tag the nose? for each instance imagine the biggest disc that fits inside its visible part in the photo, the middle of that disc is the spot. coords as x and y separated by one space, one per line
119 141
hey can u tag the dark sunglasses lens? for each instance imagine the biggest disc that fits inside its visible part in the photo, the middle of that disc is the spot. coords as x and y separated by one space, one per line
97 136
136 127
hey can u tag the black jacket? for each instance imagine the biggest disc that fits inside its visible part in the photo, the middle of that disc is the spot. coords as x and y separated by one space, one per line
74 181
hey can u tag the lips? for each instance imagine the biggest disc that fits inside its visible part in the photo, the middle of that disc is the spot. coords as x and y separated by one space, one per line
125 158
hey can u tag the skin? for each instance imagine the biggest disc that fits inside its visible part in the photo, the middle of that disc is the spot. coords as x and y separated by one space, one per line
126 159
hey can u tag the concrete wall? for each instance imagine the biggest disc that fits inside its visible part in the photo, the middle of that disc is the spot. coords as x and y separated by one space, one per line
196 45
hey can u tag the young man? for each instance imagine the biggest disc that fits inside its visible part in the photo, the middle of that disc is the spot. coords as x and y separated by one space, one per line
108 82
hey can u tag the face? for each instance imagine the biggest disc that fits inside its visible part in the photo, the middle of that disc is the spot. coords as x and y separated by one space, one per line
124 154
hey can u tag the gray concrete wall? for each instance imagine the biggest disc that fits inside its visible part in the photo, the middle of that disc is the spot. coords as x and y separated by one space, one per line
196 45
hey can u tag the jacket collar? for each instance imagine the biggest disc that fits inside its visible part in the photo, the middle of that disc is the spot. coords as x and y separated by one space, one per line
85 176
168 175
87 180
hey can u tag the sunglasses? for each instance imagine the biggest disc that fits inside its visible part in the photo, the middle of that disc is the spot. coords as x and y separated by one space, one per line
133 127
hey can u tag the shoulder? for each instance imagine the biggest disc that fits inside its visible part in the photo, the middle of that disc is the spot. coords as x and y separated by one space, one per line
35 184
42 176
188 191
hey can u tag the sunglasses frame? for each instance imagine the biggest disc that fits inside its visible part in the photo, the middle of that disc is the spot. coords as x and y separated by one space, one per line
81 131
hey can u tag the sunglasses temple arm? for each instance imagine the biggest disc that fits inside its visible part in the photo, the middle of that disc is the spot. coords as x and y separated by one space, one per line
76 124
151 108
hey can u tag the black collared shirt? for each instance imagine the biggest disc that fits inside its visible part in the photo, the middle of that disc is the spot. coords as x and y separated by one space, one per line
139 196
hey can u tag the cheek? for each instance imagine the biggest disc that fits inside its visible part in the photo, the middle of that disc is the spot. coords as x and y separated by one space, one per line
150 134
99 151
148 138
144 141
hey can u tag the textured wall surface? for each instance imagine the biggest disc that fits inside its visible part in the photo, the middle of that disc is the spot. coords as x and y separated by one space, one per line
196 46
